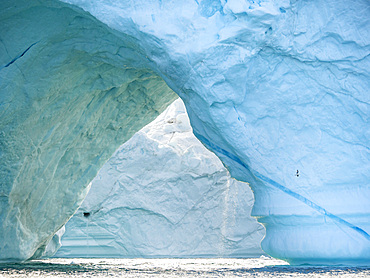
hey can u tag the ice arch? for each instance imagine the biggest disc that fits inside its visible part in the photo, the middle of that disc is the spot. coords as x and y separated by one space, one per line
271 86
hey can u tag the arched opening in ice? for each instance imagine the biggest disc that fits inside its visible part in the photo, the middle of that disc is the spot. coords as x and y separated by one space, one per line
270 87
163 194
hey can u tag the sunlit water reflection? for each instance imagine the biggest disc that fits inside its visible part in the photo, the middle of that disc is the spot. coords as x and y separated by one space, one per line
259 267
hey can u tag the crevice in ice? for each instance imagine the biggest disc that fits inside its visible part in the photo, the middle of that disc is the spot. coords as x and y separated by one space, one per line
19 56
143 210
283 188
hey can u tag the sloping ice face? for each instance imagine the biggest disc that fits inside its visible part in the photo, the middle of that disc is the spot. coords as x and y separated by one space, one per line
163 194
277 89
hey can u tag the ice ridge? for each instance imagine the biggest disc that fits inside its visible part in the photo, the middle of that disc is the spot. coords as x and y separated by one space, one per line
283 188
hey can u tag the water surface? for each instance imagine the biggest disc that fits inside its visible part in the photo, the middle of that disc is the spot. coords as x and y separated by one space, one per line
258 267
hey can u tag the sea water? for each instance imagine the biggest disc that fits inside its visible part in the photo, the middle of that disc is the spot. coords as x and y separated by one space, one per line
219 267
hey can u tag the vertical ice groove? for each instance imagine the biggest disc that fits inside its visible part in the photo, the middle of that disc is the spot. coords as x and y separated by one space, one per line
284 189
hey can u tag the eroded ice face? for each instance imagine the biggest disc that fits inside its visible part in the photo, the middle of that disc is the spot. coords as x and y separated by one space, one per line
163 194
272 87
68 99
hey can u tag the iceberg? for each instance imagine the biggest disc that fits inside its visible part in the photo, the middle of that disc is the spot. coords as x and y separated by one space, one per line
163 194
278 90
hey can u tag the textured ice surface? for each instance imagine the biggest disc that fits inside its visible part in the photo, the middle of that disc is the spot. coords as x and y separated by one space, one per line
164 194
274 87
71 91
271 86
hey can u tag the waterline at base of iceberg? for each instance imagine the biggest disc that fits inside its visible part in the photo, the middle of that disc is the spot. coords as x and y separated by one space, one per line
220 267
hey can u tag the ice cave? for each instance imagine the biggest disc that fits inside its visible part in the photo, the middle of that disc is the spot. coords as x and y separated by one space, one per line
277 90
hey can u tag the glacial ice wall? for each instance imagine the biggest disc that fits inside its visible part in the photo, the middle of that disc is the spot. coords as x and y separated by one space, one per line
163 194
71 91
272 87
